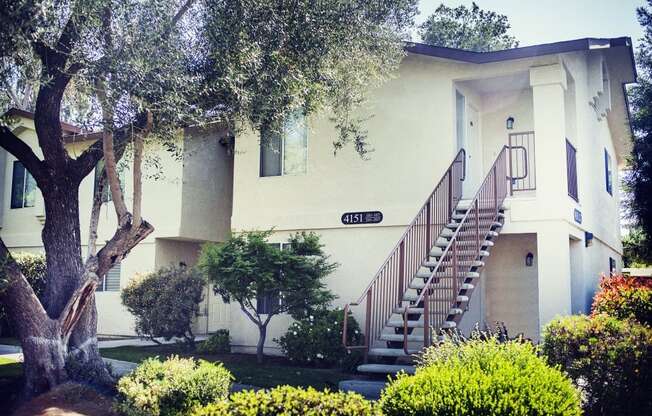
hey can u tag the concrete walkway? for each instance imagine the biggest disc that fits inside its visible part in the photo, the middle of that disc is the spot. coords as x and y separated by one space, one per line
118 367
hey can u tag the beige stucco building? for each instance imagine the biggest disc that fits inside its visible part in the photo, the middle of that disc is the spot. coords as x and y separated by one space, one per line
561 107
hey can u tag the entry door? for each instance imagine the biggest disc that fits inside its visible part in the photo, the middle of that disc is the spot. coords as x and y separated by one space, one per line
468 137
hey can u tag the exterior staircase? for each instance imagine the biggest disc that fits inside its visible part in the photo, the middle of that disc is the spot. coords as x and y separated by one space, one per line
426 283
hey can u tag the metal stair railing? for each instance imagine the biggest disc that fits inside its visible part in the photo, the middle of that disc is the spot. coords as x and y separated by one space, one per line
386 289
439 296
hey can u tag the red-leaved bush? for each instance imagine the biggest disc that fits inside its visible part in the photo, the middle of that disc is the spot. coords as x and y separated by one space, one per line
625 297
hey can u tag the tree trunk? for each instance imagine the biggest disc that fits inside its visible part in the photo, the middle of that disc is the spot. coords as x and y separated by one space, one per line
262 330
65 273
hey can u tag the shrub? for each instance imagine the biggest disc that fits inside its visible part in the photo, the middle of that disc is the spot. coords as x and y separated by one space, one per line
608 358
217 343
171 387
625 297
317 340
33 267
286 400
482 378
165 302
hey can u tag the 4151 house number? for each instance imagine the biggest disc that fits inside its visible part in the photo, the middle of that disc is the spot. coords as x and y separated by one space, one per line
365 217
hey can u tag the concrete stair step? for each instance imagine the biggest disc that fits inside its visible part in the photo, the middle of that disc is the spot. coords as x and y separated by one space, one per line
460 215
399 324
399 337
401 309
391 352
439 251
425 274
385 369
449 263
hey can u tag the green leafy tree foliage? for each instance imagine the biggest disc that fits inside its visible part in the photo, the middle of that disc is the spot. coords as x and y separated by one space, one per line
165 302
246 268
471 28
637 250
638 181
140 70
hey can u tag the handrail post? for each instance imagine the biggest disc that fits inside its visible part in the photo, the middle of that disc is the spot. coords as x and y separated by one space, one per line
367 327
454 247
450 195
401 272
511 181
345 324
428 225
426 317
477 224
495 189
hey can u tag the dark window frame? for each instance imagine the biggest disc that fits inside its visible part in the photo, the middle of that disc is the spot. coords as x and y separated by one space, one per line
608 172
274 144
613 265
571 171
27 186
265 304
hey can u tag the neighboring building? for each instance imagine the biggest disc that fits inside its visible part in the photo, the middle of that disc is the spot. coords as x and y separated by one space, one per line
562 109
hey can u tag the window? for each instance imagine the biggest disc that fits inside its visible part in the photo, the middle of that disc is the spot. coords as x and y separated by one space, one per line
23 187
571 170
267 302
111 280
285 154
612 265
608 172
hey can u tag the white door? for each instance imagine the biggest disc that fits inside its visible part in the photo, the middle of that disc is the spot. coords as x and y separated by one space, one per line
473 153
468 138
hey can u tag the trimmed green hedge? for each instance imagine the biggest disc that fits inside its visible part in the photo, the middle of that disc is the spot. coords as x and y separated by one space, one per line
171 387
290 401
610 359
218 343
482 378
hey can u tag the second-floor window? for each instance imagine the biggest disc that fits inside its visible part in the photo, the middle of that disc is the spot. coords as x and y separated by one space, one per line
285 153
608 172
23 187
106 192
571 170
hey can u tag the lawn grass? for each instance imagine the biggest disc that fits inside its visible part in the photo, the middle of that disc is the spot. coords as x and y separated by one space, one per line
274 372
11 381
9 341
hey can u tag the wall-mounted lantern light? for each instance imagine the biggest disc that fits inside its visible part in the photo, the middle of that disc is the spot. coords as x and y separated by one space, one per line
588 239
509 123
529 260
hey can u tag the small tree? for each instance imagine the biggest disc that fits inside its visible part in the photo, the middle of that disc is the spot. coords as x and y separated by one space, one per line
165 303
247 268
472 29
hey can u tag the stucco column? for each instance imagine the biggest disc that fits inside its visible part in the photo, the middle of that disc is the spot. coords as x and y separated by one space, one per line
548 86
553 265
554 271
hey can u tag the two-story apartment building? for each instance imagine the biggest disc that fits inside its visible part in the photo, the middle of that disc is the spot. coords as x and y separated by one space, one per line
517 227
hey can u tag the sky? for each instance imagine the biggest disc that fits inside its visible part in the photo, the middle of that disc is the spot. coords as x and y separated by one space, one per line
544 21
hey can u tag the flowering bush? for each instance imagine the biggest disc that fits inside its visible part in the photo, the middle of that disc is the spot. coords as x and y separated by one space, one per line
317 340
610 359
625 297
287 400
171 387
482 377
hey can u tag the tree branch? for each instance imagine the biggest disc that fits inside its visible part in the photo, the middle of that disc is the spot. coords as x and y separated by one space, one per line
21 151
110 165
17 295
125 238
138 174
